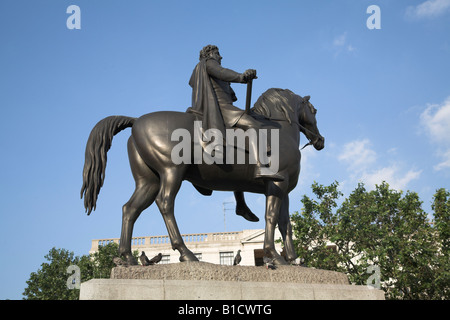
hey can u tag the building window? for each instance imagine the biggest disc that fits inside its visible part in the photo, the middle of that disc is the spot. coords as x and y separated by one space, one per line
227 258
199 256
165 259
259 257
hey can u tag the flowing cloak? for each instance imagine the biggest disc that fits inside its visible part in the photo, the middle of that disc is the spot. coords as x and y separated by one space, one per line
204 101
213 97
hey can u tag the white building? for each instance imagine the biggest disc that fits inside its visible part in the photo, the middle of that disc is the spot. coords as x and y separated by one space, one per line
217 247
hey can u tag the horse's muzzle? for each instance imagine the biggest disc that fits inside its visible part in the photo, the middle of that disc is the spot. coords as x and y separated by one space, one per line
319 143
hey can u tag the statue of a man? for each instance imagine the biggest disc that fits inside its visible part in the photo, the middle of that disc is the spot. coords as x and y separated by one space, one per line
213 97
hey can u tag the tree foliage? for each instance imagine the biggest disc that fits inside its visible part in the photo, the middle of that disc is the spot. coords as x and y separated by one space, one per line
382 227
50 281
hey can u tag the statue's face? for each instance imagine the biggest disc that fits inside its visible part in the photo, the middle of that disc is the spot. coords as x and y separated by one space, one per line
216 55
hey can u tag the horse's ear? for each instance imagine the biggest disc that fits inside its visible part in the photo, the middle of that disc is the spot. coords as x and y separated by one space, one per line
306 98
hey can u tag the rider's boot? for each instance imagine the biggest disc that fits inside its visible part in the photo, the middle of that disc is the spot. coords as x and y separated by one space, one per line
242 209
261 171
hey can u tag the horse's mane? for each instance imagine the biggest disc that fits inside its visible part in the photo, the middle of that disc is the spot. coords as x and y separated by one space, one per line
275 102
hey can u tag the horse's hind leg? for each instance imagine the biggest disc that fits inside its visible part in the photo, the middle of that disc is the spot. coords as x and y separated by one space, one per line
171 180
147 186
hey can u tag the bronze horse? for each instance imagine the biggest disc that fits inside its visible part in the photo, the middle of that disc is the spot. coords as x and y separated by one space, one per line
159 179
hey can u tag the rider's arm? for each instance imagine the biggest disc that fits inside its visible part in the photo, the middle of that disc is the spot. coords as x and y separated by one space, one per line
215 70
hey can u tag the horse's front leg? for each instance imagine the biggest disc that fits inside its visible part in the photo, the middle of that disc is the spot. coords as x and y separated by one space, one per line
284 225
275 193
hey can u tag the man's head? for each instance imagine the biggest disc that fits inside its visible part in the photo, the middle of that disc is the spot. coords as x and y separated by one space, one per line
210 51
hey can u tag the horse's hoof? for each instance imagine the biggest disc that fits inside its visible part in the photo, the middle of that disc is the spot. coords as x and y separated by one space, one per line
291 259
280 261
276 259
129 259
188 257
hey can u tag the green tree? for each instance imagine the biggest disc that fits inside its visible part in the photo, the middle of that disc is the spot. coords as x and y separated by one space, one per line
50 281
441 208
383 227
313 228
100 263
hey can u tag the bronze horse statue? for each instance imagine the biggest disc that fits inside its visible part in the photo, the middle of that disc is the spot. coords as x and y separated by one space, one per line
158 179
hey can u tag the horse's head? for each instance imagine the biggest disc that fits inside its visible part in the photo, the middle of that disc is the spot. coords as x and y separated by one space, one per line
308 123
282 104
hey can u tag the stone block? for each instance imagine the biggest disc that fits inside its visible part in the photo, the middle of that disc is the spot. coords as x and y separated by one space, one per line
206 281
135 289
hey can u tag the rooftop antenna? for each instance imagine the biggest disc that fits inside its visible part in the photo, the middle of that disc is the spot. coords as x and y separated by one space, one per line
225 209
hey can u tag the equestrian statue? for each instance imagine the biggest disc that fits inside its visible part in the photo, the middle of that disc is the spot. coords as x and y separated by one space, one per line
160 162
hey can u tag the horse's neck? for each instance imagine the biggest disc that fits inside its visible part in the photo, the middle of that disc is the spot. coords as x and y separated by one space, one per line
275 115
290 130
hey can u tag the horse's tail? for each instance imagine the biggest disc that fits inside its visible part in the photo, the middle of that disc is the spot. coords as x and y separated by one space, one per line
97 147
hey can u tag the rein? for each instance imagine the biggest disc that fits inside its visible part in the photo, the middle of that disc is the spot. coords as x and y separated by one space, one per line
311 142
302 129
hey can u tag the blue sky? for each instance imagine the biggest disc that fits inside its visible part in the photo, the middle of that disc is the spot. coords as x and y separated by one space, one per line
383 100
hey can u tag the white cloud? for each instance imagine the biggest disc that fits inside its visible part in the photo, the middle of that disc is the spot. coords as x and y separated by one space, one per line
358 155
340 40
340 43
308 172
445 164
350 48
391 175
436 122
429 9
361 161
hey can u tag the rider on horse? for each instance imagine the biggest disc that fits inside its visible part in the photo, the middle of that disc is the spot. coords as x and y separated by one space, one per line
213 97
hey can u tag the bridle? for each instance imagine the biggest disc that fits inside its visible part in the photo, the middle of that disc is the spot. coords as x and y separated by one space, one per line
311 142
305 130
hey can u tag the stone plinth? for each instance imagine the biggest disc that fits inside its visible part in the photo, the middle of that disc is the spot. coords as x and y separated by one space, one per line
200 281
204 271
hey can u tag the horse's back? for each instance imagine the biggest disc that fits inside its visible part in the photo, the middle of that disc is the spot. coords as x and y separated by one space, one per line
162 118
152 135
162 123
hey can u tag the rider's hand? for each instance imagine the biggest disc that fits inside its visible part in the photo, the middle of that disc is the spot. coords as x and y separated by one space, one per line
249 75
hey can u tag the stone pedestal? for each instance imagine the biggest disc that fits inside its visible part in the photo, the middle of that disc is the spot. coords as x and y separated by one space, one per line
206 281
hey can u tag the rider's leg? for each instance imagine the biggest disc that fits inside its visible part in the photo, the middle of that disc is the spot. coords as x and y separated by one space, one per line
242 209
246 122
